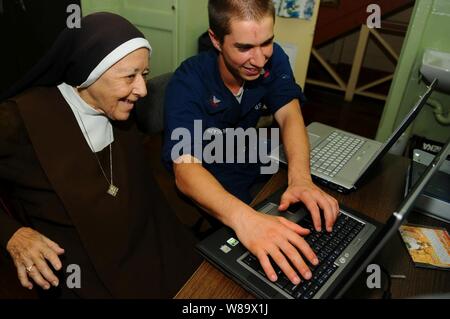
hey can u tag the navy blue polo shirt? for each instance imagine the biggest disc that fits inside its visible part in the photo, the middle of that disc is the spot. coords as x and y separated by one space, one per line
196 92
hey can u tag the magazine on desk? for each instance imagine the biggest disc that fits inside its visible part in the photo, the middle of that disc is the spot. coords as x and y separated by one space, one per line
428 247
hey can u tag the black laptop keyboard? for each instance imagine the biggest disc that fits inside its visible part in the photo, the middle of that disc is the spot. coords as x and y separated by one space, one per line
327 246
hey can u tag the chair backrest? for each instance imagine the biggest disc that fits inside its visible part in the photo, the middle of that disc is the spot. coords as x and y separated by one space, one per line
150 109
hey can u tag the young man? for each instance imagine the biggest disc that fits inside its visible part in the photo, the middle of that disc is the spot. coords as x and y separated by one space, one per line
226 88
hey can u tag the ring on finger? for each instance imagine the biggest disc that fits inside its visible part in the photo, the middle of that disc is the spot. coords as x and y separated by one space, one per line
29 268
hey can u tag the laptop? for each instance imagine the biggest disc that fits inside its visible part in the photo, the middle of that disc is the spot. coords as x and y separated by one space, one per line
343 254
340 159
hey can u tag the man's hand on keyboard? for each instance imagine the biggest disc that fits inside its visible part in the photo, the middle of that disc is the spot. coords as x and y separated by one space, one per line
314 199
278 238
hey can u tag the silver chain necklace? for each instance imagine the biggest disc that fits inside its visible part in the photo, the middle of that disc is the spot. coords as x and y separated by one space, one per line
112 189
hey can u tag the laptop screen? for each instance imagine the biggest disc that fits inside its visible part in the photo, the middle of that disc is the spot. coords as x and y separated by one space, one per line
397 218
400 129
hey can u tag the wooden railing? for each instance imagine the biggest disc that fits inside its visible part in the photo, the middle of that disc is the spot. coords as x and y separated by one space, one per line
350 87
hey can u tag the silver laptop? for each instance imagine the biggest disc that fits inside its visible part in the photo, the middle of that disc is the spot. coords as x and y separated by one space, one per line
343 254
340 159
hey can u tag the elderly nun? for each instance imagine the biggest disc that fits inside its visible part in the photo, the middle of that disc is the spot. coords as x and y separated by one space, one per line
73 171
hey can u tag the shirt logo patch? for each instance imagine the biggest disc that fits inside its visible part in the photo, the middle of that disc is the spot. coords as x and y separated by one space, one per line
214 102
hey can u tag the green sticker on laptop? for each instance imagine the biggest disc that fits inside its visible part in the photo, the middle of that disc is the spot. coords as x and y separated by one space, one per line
232 242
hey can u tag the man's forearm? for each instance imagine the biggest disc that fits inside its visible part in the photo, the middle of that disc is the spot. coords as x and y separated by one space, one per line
196 182
296 143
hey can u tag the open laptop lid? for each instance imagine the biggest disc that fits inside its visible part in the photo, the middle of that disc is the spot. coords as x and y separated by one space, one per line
397 218
398 132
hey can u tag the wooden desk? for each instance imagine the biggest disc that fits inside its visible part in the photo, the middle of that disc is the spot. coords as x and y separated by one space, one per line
378 197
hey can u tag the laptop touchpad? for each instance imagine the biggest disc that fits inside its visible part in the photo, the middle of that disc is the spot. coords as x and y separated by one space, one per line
294 213
313 138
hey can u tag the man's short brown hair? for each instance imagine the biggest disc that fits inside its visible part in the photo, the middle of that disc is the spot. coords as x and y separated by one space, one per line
222 11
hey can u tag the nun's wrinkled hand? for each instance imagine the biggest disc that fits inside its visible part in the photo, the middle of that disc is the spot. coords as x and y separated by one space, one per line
30 252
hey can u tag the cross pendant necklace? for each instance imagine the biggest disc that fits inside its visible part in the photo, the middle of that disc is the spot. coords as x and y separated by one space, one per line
112 189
